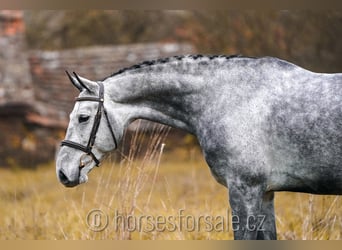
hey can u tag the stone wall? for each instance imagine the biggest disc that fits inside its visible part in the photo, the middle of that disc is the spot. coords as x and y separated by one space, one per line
15 78
16 93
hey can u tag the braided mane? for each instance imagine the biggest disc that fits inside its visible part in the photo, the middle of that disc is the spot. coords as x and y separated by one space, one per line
169 59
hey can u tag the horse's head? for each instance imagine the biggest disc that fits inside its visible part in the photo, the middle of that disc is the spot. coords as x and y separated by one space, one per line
89 135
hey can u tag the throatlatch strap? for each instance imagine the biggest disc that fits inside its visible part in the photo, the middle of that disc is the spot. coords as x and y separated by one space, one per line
110 128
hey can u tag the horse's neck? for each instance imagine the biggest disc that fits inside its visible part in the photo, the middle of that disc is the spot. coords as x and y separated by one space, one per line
183 93
165 97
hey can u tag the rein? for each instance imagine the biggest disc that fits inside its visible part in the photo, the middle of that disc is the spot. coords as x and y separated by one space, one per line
100 110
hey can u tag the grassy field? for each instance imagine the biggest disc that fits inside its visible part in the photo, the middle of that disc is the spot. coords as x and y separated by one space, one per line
175 185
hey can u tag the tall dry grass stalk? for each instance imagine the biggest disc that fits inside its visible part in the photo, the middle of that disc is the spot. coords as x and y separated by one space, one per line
320 222
310 217
135 174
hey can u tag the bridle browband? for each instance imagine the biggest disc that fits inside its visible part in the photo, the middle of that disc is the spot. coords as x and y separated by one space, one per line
100 110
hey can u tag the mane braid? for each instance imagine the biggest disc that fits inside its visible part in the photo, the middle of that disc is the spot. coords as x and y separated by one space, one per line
168 59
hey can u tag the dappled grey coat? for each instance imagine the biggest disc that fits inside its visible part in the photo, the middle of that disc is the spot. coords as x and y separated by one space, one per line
264 125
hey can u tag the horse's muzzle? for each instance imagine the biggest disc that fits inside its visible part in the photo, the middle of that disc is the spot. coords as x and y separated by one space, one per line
65 180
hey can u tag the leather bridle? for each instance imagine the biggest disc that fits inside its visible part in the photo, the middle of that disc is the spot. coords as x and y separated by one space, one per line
100 110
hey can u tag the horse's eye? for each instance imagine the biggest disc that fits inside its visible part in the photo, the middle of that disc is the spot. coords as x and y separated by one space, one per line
83 118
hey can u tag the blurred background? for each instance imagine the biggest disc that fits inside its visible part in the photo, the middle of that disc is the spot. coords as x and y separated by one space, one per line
36 47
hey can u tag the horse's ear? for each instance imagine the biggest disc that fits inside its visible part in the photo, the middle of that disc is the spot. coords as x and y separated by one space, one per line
74 81
82 83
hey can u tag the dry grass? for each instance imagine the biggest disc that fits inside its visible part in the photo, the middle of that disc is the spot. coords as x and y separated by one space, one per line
35 206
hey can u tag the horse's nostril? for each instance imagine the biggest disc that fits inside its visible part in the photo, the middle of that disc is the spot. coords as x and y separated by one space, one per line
65 180
62 177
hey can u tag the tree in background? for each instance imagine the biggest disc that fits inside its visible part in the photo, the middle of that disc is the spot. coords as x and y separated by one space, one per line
70 29
310 39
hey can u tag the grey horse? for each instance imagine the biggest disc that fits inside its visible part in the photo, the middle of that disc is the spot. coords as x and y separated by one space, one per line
263 124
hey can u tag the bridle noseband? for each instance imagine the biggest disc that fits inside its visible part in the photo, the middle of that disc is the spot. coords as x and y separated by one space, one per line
100 110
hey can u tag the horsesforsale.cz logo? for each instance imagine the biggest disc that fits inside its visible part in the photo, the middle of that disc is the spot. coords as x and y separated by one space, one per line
97 221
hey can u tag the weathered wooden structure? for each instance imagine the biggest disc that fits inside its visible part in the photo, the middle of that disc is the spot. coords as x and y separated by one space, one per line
35 95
